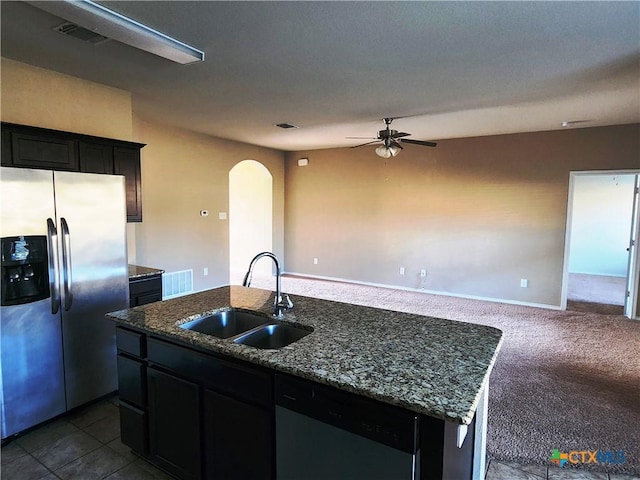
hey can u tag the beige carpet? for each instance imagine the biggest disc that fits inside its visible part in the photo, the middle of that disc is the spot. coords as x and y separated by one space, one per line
563 380
596 289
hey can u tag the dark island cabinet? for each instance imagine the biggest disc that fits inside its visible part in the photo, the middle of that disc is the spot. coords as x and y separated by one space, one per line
132 389
194 414
25 146
230 422
174 424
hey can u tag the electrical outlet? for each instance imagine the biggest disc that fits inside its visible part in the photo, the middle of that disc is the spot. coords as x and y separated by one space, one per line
423 273
315 261
205 271
401 270
524 283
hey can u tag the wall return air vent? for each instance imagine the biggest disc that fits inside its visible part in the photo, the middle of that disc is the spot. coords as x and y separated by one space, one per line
81 33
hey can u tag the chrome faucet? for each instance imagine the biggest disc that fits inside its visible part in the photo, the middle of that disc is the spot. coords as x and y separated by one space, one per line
281 302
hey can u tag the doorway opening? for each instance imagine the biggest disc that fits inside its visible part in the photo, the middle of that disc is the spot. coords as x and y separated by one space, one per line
600 254
250 218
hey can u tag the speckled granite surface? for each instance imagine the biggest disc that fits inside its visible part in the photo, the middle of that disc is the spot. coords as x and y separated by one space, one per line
427 365
137 272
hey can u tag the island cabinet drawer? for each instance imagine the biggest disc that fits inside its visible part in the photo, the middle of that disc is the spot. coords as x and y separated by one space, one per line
131 342
131 380
237 380
133 428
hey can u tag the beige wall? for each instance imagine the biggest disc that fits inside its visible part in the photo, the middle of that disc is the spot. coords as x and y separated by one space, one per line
478 214
43 98
183 173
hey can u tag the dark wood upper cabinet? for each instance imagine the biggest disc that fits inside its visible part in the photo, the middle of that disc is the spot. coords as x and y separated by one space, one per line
34 147
126 161
96 158
40 151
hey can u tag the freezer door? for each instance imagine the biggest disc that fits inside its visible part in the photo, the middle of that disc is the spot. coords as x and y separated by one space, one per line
92 229
31 363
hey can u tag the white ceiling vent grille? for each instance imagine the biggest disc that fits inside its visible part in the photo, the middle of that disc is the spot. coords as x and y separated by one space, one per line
81 33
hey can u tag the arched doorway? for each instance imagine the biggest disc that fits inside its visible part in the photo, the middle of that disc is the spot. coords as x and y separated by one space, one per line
250 217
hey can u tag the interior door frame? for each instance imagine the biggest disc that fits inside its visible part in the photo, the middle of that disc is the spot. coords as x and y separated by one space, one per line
633 277
631 301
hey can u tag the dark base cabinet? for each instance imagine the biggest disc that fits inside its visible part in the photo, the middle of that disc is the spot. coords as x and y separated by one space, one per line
145 290
229 422
133 428
199 415
174 424
193 414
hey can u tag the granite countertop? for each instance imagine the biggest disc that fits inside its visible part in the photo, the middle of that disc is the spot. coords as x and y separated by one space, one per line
426 365
137 272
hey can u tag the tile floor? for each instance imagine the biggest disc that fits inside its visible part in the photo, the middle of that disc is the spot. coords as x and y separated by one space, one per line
85 445
512 471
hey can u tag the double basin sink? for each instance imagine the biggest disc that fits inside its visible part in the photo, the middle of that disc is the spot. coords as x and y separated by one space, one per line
248 328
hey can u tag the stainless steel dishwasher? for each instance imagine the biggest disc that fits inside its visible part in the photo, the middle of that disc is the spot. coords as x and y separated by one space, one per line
324 433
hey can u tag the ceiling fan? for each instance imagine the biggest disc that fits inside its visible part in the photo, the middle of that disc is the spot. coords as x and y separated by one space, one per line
391 140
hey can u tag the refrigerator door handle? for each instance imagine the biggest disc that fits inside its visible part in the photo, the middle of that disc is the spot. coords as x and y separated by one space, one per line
54 267
66 259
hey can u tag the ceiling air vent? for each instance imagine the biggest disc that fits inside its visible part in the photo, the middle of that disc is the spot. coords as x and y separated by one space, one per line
81 33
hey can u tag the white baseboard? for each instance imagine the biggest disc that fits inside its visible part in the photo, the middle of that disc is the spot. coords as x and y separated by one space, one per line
432 292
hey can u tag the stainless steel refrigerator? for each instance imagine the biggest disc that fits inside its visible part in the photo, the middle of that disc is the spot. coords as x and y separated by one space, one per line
64 265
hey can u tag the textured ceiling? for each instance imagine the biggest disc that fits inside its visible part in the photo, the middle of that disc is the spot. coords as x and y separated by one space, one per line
335 69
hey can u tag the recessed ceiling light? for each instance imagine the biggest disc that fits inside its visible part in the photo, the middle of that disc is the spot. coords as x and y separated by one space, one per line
111 24
571 123
285 125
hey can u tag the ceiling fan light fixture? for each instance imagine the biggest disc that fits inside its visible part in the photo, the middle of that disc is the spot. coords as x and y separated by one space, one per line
385 151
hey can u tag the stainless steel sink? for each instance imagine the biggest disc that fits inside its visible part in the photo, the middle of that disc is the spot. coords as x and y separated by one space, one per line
227 323
272 336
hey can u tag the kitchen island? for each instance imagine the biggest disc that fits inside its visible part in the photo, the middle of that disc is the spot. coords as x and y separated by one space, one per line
434 370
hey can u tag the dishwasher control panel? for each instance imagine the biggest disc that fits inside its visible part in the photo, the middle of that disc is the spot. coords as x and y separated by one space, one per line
386 424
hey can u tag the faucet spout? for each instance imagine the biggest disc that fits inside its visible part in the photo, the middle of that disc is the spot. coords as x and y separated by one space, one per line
281 302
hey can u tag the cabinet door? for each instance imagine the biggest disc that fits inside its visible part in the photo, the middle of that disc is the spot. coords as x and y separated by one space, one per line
126 161
145 291
95 158
7 161
239 439
42 151
174 424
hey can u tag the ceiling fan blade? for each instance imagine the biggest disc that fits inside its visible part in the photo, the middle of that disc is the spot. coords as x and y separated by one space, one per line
400 134
364 138
363 144
420 142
